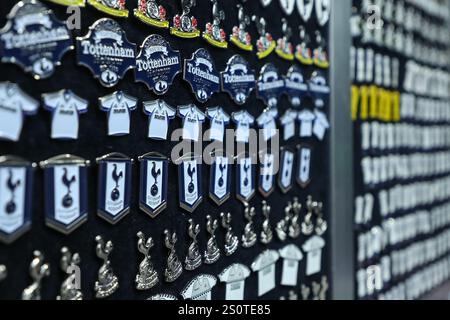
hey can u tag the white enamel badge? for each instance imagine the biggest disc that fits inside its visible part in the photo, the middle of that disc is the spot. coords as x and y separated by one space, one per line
190 182
118 106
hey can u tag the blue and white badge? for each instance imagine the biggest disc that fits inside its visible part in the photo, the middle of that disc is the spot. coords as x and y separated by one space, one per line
114 186
220 178
34 39
118 106
245 177
269 85
319 89
66 194
304 155
106 51
16 197
157 64
286 170
266 173
238 80
153 184
202 75
295 86
190 181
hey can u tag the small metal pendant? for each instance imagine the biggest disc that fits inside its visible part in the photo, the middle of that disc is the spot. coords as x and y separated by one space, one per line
3 272
265 44
193 258
240 36
149 12
199 288
249 237
283 225
163 296
321 224
294 227
307 224
213 33
245 178
266 233
185 26
231 240
107 282
116 8
238 79
70 265
305 292
285 48
38 270
270 85
174 268
147 277
303 51
70 3
320 53
212 253
296 87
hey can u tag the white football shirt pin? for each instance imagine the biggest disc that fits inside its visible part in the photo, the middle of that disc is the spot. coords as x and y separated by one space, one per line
107 282
147 277
34 39
288 121
220 177
245 177
321 224
294 227
249 237
307 224
267 173
243 121
3 272
163 296
70 263
234 276
270 86
193 119
212 253
265 43
70 3
193 258
173 268
219 119
16 197
265 264
213 33
283 225
313 248
266 121
287 6
291 255
240 37
149 12
305 9
199 288
304 157
286 170
296 87
306 118
285 48
320 53
238 79
106 51
118 106
185 26
38 270
66 192
303 51
231 240
159 116
116 8
323 10
266 233
189 181
321 125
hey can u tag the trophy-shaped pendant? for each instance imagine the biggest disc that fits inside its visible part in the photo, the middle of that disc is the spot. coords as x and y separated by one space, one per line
307 224
38 270
266 233
249 237
285 48
240 36
283 225
193 258
149 12
212 253
265 44
320 53
107 282
147 277
70 265
231 240
213 33
184 25
115 8
303 52
174 268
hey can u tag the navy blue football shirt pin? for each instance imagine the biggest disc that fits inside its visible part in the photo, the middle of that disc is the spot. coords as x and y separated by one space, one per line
240 37
185 25
265 43
149 12
34 39
70 3
285 49
238 79
106 51
116 8
213 33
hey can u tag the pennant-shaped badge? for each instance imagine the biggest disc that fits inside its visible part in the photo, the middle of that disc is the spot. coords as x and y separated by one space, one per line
304 165
269 86
295 86
238 80
266 173
286 170
190 182
245 177
220 178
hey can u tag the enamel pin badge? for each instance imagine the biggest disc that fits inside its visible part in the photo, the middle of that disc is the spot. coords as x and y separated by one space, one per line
287 6
292 256
149 12
319 89
313 249
199 288
66 194
320 53
305 9
118 106
269 86
106 51
288 121
240 37
153 183
286 175
190 182
285 49
116 8
16 197
243 121
213 33
34 39
157 64
193 119
159 116
220 178
266 121
265 43
303 51
234 277
219 120
202 75
265 265
266 179
70 3
238 80
184 25
295 86
304 165
114 186
245 177
323 10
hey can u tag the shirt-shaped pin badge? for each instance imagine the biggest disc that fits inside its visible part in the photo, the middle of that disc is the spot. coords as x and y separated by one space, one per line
295 86
319 89
269 86
266 121
313 248
116 8
304 165
66 192
266 173
264 264
286 170
159 116
14 105
234 277
119 106
16 197
70 3
240 37
288 121
190 182
184 25
199 288
305 9
265 43
193 119
219 120
291 255
149 12
243 121
66 108
285 49
106 51
320 53
245 177
213 33
114 186
287 6
306 118
220 177
157 64
303 51
238 80
321 125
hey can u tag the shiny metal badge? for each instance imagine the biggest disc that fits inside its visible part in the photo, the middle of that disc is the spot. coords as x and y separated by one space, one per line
66 194
157 64
70 265
38 270
234 276
106 51
287 6
320 53
295 86
220 178
303 51
16 197
201 74
34 39
238 79
319 89
174 268
245 177
267 180
285 178
240 37
184 25
212 252
285 48
116 8
304 165
149 12
107 282
147 277
70 3
118 106
199 288
270 85
231 240
213 33
153 183
193 258
163 296
190 182
114 186
265 43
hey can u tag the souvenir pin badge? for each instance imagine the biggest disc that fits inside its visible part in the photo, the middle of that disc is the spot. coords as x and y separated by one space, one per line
291 255
238 79
213 33
305 292
313 248
294 227
249 237
265 43
266 233
283 225
116 8
240 37
287 6
159 116
118 106
193 119
163 296
321 125
114 186
70 3
266 121
70 265
304 165
157 64
193 258
3 272
149 12
189 181
303 51
106 51
296 87
34 39
212 253
245 177
288 121
285 178
16 201
264 264
320 53
321 224
269 86
267 173
219 120
147 277
307 224
66 194
107 282
220 177
184 25
153 183
231 240
234 276
305 9
199 288
285 49
323 10
38 271
174 268
324 288
319 89
243 121
201 74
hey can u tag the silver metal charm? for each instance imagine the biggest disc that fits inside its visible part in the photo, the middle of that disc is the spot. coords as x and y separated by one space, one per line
163 296
283 225
147 277
249 237
38 270
193 258
294 227
70 265
234 276
305 292
212 253
315 290
107 282
321 224
3 272
240 36
213 33
174 268
231 240
292 295
307 224
199 288
265 43
266 233
324 288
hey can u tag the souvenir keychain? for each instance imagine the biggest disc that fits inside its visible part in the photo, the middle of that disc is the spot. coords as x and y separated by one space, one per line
265 43
288 121
265 265
149 12
107 282
266 174
70 263
286 170
234 276
213 33
304 52
193 119
173 268
220 177
245 177
238 79
193 258
285 49
249 237
118 106
240 37
185 26
320 54
304 165
292 256
219 120
212 253
266 121
189 181
243 121
266 232
38 271
231 240
116 8
147 277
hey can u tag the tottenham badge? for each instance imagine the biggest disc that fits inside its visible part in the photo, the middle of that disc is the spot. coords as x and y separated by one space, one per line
269 86
34 39
319 89
245 177
220 178
70 3
213 33
286 170
190 182
238 80
295 86
114 186
153 184
303 51
265 43
149 12
240 37
116 8
66 194
304 165
266 173
285 48
184 25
